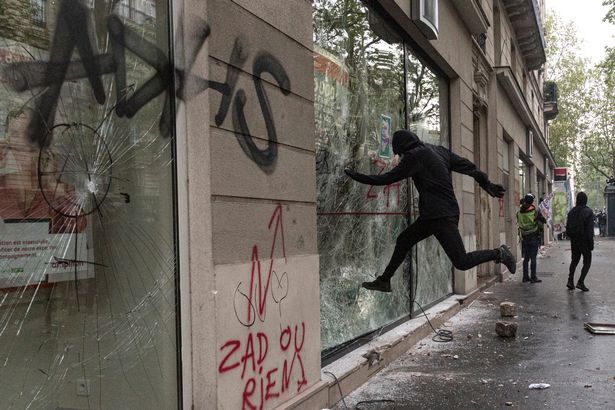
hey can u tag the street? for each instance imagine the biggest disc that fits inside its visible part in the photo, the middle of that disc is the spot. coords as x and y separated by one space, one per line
480 370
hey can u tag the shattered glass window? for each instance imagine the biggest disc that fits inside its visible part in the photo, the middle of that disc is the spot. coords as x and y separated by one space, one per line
428 104
359 103
87 260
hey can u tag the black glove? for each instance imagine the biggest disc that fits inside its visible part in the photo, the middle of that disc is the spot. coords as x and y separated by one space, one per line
495 190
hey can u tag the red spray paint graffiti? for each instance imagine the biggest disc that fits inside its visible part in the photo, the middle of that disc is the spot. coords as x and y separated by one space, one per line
265 381
256 266
267 369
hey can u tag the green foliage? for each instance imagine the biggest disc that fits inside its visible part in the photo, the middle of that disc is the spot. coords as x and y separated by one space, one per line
569 70
598 144
610 15
583 134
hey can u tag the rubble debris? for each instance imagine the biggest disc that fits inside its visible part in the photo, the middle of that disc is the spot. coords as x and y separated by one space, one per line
509 403
508 309
506 329
588 386
539 386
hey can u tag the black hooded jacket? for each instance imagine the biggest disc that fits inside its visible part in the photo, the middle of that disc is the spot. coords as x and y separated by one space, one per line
580 221
430 167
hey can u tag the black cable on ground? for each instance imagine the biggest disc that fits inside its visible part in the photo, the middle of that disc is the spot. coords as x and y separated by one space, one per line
442 336
338 386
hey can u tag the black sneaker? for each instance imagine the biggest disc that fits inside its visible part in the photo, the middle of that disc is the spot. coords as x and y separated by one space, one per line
536 280
526 280
507 258
582 287
570 285
381 284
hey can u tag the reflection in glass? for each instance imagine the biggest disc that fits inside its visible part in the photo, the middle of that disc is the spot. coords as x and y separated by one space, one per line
87 263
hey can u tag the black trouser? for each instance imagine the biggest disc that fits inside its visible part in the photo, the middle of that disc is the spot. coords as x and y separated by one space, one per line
447 233
530 251
578 248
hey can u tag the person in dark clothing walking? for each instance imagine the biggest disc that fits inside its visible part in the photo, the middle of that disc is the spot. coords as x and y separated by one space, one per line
580 230
529 220
430 167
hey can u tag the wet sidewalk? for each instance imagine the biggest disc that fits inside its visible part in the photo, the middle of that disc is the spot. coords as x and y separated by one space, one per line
479 370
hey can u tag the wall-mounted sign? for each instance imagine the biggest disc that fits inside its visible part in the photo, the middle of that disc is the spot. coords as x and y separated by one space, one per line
425 17
560 174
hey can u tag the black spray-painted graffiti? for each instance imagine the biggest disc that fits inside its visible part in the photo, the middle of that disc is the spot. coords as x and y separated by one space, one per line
72 32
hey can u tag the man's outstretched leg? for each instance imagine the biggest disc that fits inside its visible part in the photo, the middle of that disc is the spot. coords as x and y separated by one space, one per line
576 257
412 235
447 233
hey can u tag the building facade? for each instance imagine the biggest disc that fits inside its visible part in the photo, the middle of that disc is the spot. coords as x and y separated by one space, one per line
177 229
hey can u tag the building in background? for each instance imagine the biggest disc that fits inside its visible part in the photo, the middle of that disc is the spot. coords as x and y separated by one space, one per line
177 229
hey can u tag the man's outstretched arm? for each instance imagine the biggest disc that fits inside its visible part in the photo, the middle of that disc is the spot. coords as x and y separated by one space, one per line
465 166
405 169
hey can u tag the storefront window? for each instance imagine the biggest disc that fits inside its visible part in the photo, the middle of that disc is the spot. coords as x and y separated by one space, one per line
87 260
359 103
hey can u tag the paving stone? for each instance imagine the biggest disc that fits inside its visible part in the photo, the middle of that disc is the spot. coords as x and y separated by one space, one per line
508 309
506 329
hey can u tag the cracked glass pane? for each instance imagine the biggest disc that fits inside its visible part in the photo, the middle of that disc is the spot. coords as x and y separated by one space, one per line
87 260
359 102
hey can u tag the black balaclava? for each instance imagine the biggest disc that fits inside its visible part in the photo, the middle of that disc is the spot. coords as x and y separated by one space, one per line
404 141
581 199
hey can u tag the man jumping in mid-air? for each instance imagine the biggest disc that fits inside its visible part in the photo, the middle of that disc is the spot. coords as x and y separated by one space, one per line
430 167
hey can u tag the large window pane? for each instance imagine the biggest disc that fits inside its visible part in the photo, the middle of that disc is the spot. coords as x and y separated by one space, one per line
87 262
359 103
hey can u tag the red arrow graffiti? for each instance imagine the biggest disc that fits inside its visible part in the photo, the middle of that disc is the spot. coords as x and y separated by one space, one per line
256 266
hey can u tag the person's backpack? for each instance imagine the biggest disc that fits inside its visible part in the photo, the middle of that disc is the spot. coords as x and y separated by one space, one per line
574 223
527 223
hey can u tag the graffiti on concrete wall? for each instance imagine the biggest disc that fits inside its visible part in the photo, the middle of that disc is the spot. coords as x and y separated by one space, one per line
268 364
72 33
